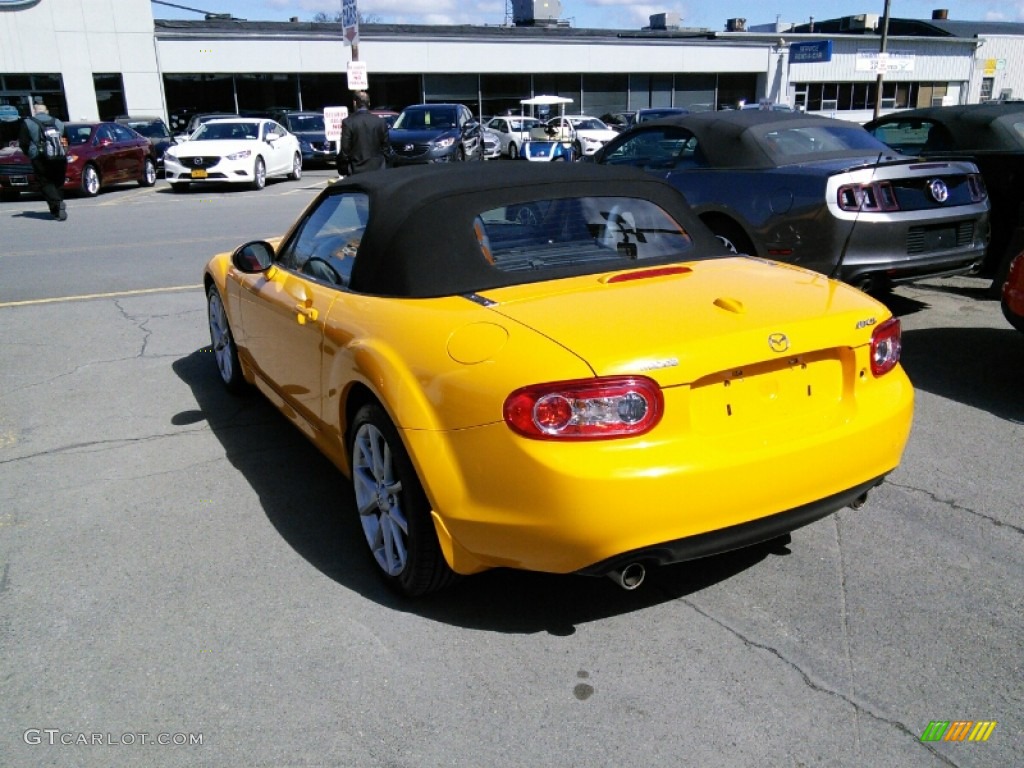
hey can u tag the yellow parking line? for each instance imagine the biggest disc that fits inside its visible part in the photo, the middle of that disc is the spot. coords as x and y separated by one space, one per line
111 295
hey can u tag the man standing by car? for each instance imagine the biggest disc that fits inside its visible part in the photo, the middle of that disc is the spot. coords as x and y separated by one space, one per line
50 167
364 139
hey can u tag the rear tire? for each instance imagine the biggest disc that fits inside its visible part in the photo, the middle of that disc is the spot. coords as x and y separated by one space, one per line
393 509
148 178
513 151
731 236
296 173
259 174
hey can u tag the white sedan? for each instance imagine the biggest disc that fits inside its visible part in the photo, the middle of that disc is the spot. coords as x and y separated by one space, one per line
236 150
512 130
586 134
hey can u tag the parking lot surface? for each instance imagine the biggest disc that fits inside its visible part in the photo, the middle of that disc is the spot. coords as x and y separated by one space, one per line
183 581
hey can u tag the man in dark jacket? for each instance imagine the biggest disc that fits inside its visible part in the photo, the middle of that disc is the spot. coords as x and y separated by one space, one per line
364 140
49 172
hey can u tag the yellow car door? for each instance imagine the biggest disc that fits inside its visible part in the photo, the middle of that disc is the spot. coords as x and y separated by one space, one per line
284 313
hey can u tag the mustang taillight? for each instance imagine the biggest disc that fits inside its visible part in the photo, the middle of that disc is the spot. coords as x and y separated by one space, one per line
886 345
977 186
586 409
873 197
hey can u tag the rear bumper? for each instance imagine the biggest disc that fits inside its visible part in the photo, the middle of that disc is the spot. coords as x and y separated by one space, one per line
901 252
503 501
736 536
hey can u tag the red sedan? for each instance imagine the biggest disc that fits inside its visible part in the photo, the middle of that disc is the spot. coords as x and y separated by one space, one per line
1013 294
99 154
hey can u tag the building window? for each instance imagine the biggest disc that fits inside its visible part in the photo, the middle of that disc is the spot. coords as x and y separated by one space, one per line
109 95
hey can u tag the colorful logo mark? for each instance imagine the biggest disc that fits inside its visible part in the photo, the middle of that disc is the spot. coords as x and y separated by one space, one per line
959 730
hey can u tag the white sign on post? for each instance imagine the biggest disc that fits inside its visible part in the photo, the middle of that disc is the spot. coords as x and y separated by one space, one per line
332 122
358 80
350 20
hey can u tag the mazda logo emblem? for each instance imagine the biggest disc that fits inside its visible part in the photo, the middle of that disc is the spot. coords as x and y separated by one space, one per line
779 342
407 148
938 190
197 161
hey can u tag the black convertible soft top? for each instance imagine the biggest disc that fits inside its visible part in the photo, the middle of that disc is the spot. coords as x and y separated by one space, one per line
736 138
419 239
972 127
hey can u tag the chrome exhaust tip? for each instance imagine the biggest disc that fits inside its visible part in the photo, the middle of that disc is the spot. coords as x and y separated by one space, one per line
630 577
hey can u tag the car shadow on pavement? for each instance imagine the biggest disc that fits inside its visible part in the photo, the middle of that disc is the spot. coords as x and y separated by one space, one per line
979 367
309 502
34 215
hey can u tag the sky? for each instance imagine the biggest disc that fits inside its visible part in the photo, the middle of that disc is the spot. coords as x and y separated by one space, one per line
600 14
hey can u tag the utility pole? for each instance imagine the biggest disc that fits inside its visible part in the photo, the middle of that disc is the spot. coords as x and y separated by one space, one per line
881 60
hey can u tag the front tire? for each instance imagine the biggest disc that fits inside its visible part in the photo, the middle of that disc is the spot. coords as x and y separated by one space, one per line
296 173
393 508
90 180
148 178
259 174
222 343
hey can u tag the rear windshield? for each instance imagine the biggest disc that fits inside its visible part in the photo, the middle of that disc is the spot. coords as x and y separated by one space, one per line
816 139
601 231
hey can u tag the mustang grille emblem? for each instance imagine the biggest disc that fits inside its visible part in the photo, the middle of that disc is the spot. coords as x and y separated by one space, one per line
779 342
938 190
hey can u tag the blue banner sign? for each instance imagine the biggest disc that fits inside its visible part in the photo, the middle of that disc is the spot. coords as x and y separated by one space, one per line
810 53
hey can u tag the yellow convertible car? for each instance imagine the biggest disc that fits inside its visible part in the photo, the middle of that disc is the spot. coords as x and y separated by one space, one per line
556 367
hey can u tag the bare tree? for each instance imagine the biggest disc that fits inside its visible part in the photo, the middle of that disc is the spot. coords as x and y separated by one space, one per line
364 18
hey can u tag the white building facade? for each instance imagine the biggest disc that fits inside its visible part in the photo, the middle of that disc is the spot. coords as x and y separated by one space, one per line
94 59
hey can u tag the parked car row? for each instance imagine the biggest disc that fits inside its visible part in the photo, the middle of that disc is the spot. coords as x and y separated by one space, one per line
99 155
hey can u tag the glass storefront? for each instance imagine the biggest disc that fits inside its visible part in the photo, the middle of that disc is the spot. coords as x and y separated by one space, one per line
485 94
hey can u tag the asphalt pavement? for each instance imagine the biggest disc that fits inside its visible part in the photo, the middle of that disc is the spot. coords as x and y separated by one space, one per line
183 581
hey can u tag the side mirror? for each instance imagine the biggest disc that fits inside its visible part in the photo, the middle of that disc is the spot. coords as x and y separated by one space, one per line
253 258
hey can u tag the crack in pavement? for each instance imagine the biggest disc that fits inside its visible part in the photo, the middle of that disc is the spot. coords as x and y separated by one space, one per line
957 507
818 688
114 443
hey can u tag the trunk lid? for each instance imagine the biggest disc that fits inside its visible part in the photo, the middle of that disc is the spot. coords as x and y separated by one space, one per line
719 318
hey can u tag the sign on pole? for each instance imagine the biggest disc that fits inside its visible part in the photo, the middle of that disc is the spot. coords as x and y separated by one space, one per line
358 80
350 21
332 122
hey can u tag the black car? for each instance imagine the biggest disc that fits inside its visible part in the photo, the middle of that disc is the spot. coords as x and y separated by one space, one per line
435 133
620 121
818 192
310 130
992 137
154 129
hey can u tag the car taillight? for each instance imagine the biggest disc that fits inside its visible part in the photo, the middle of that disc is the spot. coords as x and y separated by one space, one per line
886 345
977 186
585 409
876 196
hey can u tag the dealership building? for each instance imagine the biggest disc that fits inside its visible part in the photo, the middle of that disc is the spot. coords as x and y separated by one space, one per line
95 59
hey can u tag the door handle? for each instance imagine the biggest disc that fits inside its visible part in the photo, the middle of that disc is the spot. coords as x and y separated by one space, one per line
306 314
